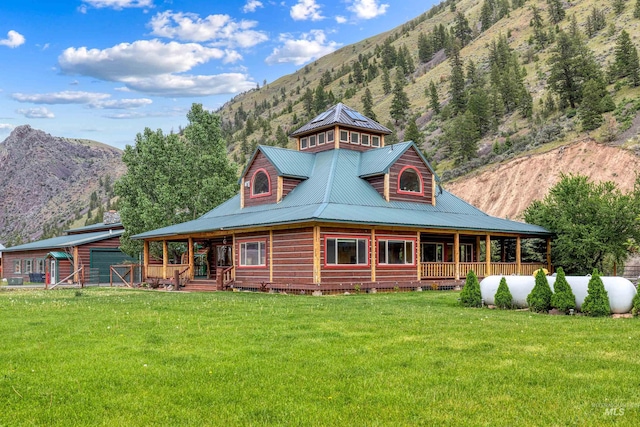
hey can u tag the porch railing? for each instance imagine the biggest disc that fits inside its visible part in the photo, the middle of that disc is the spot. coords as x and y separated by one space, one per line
448 269
156 271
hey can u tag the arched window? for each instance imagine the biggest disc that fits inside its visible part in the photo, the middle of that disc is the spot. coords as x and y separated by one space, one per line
409 181
261 185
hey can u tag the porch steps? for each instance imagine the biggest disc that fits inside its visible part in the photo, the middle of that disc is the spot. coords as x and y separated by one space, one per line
200 285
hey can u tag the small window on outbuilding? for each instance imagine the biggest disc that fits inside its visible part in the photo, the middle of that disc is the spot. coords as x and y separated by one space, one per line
409 181
261 185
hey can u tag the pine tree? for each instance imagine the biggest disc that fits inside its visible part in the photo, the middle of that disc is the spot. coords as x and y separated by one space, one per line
413 133
367 104
563 298
386 81
461 29
636 10
400 102
503 298
539 29
539 300
590 111
625 59
281 137
307 100
596 303
478 106
634 68
425 50
434 102
457 83
486 15
470 295
618 6
461 135
319 99
556 11
358 74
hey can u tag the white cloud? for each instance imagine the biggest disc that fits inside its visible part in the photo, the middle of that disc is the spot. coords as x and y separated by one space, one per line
310 46
115 4
140 115
305 10
341 19
36 113
251 6
6 126
90 99
220 30
121 104
14 39
143 58
64 97
171 85
368 9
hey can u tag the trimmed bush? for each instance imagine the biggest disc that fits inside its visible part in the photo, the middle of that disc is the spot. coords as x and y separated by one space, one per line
596 303
539 299
503 298
635 308
470 295
563 298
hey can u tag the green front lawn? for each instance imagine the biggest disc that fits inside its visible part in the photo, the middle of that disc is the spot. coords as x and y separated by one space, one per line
130 357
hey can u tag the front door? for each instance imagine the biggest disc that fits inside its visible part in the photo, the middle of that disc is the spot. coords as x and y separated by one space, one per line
52 272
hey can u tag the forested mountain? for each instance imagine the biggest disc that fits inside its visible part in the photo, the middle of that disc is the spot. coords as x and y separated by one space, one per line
472 82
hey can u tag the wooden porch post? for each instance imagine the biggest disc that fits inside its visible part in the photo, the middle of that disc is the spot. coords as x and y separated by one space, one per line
549 254
456 254
487 254
373 255
145 259
477 257
191 255
418 256
233 255
270 255
76 264
518 256
165 258
316 255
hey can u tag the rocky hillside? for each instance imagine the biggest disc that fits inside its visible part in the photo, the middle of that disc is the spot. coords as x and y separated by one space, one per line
46 181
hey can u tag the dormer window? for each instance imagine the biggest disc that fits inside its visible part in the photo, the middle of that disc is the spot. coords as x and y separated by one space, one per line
261 184
410 181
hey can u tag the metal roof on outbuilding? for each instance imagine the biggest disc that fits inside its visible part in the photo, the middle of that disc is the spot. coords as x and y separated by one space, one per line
66 241
340 114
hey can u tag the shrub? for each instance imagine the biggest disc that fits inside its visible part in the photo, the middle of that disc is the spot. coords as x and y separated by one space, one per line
563 298
470 295
596 303
539 299
503 298
635 308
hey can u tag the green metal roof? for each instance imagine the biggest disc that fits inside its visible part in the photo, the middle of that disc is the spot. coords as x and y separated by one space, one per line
289 163
95 227
334 192
59 255
66 241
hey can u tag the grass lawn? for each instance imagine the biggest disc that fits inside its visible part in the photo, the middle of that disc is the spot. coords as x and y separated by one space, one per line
131 357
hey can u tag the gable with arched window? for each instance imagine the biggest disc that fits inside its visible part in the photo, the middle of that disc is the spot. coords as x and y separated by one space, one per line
410 181
260 184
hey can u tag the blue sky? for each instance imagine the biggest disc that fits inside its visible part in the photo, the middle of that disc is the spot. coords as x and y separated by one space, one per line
106 69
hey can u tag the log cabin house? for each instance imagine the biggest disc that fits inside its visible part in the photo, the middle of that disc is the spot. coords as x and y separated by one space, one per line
344 211
82 255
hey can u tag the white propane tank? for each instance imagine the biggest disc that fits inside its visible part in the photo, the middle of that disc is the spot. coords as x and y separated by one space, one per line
620 290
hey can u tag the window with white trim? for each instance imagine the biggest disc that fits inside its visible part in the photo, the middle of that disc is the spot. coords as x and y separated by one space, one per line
28 266
330 136
364 139
303 143
395 252
344 136
375 141
321 138
432 252
40 265
355 137
253 254
17 266
312 141
346 251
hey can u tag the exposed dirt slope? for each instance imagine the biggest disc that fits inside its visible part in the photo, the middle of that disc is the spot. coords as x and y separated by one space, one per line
506 190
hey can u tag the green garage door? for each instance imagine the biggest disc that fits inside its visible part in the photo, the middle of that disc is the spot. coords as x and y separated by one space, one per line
103 258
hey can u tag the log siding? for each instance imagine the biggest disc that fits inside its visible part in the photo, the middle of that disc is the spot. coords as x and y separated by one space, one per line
260 162
410 159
